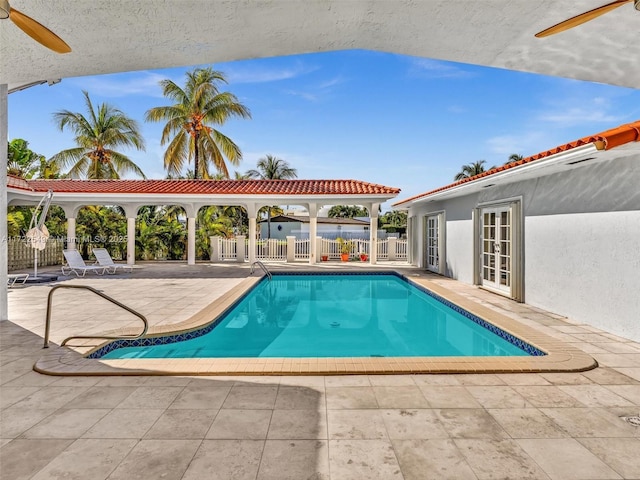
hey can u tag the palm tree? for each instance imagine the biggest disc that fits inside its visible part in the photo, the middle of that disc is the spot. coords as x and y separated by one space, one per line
21 160
514 157
272 168
188 131
472 169
97 135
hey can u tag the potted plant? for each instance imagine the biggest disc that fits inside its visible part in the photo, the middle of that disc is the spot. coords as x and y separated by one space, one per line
364 257
324 257
345 248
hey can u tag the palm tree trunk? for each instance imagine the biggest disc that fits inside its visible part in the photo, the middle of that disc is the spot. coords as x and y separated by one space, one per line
196 173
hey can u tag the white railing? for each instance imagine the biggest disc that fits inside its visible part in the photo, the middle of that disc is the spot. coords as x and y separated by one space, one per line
273 250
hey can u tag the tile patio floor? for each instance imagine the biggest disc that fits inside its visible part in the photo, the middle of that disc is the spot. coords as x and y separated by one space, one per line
475 426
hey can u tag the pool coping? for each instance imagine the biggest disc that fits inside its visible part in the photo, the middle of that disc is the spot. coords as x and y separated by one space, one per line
560 356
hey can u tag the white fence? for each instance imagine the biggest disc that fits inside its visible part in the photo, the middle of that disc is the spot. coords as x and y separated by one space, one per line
293 249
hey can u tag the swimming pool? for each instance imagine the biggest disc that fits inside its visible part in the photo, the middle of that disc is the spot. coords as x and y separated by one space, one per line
332 315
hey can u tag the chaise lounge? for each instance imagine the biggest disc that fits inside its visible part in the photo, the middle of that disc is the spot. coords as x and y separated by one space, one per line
105 260
75 264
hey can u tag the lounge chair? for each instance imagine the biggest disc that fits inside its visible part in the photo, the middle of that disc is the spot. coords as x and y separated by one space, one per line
14 278
105 260
75 264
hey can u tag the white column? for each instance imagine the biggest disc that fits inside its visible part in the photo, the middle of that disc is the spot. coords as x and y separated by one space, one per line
214 244
393 247
291 249
252 213
71 233
313 232
240 242
191 240
373 233
4 231
131 240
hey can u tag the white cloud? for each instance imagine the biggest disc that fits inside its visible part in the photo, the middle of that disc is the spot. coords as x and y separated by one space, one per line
521 143
139 83
316 92
569 117
428 68
261 74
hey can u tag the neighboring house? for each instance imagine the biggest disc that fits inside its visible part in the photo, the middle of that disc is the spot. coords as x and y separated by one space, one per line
298 226
559 230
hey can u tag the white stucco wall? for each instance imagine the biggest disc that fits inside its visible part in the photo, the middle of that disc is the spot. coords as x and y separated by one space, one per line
581 242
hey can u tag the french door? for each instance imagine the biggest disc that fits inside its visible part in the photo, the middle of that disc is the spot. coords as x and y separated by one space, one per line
496 263
432 243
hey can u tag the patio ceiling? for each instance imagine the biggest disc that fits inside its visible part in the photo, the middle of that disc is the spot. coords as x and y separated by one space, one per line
123 35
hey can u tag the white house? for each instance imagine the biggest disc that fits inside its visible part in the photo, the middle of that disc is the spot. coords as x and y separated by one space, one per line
298 226
559 230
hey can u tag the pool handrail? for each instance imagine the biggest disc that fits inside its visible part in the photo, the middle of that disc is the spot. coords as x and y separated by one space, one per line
263 267
106 297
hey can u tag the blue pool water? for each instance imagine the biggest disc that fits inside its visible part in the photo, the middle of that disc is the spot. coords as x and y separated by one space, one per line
335 316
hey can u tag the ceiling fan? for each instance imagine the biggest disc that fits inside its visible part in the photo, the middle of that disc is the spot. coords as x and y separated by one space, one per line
35 30
585 17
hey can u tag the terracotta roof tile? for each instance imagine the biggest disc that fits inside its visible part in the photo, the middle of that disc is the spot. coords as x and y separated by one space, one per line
18 182
215 187
606 140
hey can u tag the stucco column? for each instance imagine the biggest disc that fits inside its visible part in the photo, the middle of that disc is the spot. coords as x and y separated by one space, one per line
373 233
71 233
4 231
313 232
252 213
131 212
191 240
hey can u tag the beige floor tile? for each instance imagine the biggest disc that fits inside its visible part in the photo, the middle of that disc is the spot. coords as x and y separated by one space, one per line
151 459
125 381
400 397
391 380
628 372
15 420
356 425
75 381
497 397
50 397
595 396
616 360
588 422
470 423
630 392
182 424
63 423
251 398
610 376
436 459
226 460
151 397
449 397
305 459
315 382
298 425
299 398
527 423
547 396
350 397
101 397
422 380
87 458
566 459
11 395
30 379
201 397
413 424
621 454
124 423
479 379
21 459
348 381
374 460
236 424
499 459
566 378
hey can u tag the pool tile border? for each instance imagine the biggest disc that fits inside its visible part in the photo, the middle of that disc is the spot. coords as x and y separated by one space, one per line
550 354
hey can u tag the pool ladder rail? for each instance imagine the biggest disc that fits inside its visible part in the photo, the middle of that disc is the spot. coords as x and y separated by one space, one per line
263 267
106 297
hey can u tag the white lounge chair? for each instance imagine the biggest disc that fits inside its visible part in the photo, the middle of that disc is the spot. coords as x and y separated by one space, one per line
105 260
14 278
75 264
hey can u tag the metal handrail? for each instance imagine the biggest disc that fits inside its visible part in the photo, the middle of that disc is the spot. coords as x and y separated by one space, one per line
264 269
106 297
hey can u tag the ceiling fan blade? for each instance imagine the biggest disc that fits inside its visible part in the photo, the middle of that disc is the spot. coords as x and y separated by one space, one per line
38 32
582 18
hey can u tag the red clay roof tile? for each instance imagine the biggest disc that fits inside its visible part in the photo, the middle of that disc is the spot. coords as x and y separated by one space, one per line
606 140
215 187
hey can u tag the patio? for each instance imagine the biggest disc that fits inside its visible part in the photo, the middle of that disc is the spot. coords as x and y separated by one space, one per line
548 425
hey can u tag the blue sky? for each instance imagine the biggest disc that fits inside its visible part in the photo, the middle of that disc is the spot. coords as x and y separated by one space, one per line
400 121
